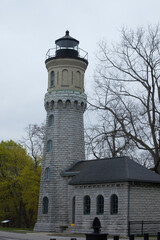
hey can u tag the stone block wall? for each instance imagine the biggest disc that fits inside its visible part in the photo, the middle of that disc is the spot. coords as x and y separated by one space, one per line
111 224
67 136
66 101
144 206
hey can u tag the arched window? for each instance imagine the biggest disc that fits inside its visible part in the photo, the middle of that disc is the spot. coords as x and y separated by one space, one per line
49 146
51 120
52 79
72 78
78 79
73 209
47 173
45 205
100 204
65 77
114 204
87 205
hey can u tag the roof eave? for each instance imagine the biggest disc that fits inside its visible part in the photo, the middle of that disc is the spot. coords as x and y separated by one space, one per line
69 174
114 181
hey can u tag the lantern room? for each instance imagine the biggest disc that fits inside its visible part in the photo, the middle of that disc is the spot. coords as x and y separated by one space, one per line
66 46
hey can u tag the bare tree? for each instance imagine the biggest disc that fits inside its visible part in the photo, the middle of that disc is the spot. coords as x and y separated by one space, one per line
106 138
34 141
127 81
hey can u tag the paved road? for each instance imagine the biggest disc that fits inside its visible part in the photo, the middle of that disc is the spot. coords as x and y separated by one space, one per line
46 236
33 236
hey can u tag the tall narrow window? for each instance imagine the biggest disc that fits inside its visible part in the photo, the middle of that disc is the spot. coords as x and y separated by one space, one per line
47 173
78 79
51 120
72 78
114 204
100 204
49 146
57 78
65 77
73 209
87 205
52 79
45 205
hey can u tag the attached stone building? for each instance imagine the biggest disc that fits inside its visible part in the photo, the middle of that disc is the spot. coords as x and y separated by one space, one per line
74 191
119 191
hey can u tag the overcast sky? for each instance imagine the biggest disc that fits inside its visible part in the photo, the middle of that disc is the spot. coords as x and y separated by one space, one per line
28 28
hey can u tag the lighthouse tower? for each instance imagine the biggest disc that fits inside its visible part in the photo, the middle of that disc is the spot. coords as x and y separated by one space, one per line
65 103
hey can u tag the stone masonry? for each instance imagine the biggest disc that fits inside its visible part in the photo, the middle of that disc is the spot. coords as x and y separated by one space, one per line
66 102
136 201
112 224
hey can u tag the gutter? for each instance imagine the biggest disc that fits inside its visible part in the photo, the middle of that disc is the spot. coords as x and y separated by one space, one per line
69 174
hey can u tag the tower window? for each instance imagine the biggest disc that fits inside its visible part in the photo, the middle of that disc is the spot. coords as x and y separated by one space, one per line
72 78
78 79
52 79
57 78
51 120
87 205
45 205
47 173
114 204
65 77
49 146
100 204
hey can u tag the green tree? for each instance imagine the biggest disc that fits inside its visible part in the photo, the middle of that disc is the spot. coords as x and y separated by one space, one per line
17 176
30 181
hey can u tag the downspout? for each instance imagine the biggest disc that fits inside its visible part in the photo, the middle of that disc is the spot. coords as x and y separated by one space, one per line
159 121
128 215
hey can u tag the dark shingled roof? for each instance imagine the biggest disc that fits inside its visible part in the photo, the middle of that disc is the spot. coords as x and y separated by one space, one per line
109 170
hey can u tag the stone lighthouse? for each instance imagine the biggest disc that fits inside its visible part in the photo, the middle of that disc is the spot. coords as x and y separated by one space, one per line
65 103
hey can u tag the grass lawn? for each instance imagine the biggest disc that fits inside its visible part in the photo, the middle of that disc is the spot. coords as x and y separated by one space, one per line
11 229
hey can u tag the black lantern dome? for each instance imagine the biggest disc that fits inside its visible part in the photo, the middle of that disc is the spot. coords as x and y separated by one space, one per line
67 46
